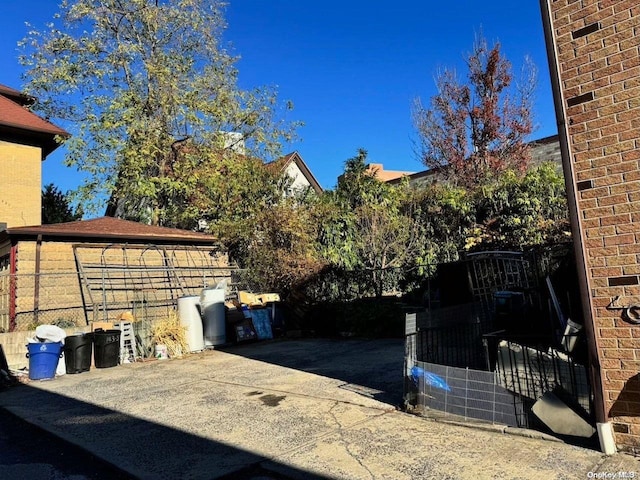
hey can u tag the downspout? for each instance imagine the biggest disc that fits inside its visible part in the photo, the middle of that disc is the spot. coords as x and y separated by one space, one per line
604 427
13 268
36 281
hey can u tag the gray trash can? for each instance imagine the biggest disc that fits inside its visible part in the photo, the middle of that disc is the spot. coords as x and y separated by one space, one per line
213 316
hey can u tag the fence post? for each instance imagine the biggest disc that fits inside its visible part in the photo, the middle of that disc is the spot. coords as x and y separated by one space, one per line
410 357
466 393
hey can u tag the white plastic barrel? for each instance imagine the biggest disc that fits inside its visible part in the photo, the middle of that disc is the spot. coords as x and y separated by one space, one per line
189 314
213 316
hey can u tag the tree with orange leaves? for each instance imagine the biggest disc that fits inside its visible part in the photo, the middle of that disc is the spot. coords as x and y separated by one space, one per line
472 131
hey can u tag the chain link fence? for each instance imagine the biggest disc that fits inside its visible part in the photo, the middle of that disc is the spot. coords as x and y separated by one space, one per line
28 300
68 299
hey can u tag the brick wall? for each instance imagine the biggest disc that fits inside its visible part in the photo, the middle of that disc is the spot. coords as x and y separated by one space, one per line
20 189
146 284
597 43
546 150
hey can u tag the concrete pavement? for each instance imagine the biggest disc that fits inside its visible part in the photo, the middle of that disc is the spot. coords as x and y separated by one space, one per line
293 408
28 452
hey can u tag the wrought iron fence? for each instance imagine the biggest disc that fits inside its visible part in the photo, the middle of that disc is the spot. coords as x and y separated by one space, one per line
494 357
499 386
531 372
453 336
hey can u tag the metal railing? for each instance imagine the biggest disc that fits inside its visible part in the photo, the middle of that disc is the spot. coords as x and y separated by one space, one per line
453 336
531 372
455 368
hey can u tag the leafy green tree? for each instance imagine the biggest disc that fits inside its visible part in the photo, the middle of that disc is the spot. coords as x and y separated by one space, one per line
282 253
446 214
472 130
56 207
521 211
232 194
359 186
388 241
146 82
514 212
368 226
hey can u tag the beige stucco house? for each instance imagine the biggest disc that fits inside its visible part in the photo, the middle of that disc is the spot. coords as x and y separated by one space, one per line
300 177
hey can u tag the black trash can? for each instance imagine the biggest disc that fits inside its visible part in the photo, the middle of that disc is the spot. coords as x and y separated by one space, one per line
107 348
77 352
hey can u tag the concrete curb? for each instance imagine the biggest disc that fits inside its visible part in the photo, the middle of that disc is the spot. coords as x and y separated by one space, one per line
489 427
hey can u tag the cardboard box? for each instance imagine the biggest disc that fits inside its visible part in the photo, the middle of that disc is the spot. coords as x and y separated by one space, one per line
257 299
247 298
269 297
102 325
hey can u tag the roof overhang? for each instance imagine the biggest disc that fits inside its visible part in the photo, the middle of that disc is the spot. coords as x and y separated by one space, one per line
106 238
108 230
44 140
297 159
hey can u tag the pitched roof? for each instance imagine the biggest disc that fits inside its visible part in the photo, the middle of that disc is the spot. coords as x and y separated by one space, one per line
16 95
386 175
545 149
111 229
18 122
283 162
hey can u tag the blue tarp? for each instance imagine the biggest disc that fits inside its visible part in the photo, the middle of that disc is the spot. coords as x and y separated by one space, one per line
261 319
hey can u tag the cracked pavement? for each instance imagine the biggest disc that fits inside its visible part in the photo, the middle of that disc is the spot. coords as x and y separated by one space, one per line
283 409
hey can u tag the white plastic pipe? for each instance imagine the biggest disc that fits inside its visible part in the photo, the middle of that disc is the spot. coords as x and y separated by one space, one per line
605 435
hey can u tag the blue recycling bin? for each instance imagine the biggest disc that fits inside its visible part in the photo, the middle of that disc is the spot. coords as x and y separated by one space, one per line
43 359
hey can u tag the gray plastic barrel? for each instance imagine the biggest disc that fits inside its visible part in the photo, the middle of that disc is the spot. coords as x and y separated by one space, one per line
213 316
189 313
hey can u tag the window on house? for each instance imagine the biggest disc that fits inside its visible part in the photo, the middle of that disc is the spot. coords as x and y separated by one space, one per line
4 263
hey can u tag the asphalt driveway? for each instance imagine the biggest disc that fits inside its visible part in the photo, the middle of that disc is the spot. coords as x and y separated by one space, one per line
308 408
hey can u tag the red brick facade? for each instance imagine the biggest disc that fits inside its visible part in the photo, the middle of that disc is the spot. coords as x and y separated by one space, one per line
597 49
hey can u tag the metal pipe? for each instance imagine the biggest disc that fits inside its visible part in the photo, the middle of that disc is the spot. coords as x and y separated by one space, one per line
13 288
574 215
36 283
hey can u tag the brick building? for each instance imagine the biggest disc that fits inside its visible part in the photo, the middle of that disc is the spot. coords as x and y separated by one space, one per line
594 57
83 271
25 141
94 270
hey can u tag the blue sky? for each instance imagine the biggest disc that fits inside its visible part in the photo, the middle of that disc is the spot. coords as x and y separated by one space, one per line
352 68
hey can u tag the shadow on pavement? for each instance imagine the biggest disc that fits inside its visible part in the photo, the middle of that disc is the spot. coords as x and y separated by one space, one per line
140 448
373 368
30 452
